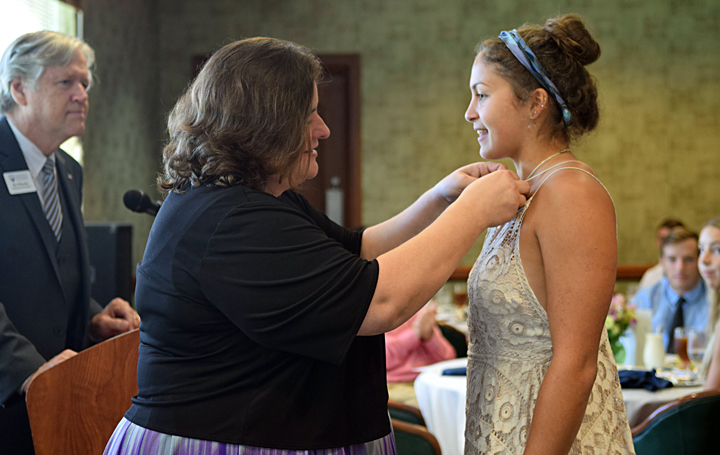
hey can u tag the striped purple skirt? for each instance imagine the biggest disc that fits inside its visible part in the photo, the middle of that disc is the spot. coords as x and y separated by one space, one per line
131 439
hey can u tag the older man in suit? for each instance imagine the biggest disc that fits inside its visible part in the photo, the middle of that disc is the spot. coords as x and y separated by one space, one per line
46 312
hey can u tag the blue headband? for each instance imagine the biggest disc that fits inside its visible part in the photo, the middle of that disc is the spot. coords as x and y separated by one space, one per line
522 52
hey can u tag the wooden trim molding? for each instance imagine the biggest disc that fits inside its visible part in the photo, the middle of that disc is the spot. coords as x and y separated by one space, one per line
625 272
632 272
461 273
76 3
350 65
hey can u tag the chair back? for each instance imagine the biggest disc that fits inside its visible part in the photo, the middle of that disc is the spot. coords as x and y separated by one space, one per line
405 412
687 425
75 406
457 339
411 439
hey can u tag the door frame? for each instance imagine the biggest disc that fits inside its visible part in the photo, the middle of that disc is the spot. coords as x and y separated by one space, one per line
350 65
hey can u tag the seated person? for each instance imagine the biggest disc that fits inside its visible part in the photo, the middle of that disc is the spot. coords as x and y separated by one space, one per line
655 273
709 267
679 299
416 343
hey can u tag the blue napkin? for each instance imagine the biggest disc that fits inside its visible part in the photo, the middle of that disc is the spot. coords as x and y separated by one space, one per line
462 371
630 379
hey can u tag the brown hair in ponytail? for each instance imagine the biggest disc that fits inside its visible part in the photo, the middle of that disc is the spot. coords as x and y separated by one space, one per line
564 47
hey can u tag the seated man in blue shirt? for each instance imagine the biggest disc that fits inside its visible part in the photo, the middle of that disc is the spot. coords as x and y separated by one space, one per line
679 299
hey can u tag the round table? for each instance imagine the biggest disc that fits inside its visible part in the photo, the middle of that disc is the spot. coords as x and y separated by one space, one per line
640 403
442 402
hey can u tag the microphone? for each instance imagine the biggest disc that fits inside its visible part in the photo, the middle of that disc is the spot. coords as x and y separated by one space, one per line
137 201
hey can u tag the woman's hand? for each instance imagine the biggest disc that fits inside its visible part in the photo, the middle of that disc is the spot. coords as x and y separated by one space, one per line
453 185
494 199
498 188
411 273
424 324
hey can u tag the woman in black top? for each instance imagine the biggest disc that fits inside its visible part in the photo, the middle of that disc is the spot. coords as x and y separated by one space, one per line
262 319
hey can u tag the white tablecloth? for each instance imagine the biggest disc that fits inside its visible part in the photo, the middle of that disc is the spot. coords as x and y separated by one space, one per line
639 403
442 402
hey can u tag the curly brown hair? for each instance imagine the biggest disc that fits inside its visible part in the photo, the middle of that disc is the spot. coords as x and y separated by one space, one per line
564 47
243 119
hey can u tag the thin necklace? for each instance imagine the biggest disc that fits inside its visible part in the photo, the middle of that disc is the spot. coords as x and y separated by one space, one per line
530 177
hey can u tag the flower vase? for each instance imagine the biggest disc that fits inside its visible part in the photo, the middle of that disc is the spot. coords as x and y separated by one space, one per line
618 351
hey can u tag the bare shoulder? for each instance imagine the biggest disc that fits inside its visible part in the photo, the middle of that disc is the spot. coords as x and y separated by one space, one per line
574 191
574 215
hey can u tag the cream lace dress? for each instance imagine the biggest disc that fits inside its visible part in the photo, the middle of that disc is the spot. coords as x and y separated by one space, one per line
510 351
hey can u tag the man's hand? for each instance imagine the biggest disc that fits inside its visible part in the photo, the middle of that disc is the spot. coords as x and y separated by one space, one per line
118 317
66 354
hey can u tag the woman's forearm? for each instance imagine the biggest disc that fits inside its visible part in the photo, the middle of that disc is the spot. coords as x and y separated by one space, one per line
560 407
392 233
411 273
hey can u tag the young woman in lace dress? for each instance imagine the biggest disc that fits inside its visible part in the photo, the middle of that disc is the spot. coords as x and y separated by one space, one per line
541 376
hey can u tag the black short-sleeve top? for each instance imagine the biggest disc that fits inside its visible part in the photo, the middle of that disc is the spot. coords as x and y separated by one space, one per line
250 306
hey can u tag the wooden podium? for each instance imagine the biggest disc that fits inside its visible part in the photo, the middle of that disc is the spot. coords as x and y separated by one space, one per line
75 406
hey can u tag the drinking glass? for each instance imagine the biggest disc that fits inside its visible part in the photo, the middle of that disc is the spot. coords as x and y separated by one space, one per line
654 351
460 297
696 344
681 345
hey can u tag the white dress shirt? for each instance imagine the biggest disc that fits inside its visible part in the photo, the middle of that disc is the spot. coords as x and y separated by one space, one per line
34 158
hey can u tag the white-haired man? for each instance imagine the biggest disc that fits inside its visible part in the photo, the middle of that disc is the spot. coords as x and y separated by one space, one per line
46 312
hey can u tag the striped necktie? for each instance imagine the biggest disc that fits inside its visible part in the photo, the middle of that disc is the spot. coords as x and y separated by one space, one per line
51 198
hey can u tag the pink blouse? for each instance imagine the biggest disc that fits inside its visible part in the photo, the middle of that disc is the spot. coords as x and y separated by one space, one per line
404 351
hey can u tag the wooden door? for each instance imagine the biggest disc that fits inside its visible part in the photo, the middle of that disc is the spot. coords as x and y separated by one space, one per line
338 180
339 157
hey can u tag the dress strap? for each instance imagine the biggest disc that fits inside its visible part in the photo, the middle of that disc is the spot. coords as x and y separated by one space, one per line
556 165
555 169
512 230
520 217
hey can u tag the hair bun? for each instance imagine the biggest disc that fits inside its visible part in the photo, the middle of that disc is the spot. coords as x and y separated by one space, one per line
573 38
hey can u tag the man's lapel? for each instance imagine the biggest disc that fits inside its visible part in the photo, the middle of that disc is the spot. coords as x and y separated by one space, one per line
11 159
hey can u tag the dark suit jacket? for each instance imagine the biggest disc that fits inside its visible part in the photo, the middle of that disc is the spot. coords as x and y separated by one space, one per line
33 309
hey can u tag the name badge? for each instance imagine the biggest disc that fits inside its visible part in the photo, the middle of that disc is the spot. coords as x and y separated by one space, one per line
19 182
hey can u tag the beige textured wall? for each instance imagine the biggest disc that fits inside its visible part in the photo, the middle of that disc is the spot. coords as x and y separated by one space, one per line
655 150
123 136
